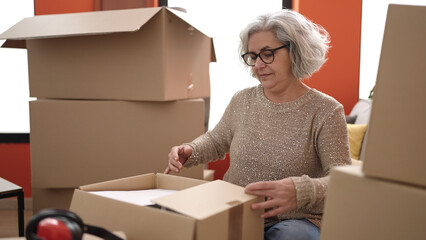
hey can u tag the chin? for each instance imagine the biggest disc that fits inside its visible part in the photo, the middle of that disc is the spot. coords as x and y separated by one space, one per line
266 82
266 85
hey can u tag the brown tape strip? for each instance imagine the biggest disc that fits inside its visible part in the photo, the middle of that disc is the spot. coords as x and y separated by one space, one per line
235 224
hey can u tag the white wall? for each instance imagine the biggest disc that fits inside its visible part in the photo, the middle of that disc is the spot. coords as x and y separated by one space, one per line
372 29
223 20
14 92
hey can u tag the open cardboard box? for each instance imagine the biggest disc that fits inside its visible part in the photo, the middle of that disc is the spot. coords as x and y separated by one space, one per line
57 198
146 54
199 210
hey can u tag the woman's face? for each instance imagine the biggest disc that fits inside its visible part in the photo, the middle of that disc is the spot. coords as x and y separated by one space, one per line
275 76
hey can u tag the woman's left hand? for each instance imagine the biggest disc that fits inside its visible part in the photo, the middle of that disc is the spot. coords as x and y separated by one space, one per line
280 196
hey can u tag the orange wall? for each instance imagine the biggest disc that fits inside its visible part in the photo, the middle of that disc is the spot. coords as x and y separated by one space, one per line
220 167
62 6
15 165
339 77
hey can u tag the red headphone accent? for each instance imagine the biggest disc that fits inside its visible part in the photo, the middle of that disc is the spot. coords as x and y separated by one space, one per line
56 224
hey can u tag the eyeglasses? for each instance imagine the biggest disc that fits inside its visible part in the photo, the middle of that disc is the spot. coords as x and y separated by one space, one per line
266 55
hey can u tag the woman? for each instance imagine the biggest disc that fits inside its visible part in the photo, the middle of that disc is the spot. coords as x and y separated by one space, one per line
283 137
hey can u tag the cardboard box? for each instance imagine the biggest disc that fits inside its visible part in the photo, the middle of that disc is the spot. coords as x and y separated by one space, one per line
208 174
58 198
77 142
396 138
93 237
149 54
199 211
360 207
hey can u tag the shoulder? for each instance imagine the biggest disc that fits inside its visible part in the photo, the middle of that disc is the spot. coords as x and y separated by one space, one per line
324 107
246 94
324 101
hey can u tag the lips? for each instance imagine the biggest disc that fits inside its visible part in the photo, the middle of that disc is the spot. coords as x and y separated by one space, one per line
264 75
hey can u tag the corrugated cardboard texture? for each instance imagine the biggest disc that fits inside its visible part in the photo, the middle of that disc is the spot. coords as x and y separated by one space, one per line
237 220
58 198
147 54
235 216
64 25
75 143
214 227
359 207
136 221
205 201
396 139
93 237
145 181
164 181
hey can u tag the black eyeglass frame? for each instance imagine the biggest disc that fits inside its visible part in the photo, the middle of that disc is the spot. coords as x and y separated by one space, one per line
258 55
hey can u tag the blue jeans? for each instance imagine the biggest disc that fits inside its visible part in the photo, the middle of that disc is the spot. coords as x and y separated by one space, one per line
294 229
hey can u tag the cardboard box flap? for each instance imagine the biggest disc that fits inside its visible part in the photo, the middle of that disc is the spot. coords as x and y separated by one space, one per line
75 24
86 23
145 181
205 200
15 44
193 22
187 19
165 181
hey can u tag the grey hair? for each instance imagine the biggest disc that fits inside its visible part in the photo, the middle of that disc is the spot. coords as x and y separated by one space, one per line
309 42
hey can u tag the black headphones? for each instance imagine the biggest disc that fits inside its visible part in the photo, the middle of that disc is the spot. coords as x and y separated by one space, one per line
73 223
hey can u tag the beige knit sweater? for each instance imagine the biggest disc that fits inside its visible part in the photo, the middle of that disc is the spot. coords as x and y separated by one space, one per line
302 139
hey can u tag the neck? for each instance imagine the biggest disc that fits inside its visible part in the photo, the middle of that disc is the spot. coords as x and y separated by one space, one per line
288 94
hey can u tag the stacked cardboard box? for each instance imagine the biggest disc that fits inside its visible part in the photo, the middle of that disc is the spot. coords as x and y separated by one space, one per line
115 91
386 199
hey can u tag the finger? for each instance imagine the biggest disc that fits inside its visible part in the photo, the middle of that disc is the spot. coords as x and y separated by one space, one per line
261 186
167 171
273 212
266 193
178 164
174 161
174 154
263 205
173 166
181 150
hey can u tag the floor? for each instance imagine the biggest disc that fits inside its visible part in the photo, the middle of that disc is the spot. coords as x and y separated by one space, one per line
9 222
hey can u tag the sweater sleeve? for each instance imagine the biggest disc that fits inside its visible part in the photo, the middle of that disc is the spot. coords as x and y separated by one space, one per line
214 144
333 150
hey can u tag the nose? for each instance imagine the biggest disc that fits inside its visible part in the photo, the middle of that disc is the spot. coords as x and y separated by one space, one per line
259 63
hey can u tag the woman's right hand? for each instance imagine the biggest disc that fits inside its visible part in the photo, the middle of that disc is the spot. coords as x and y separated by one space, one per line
177 157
